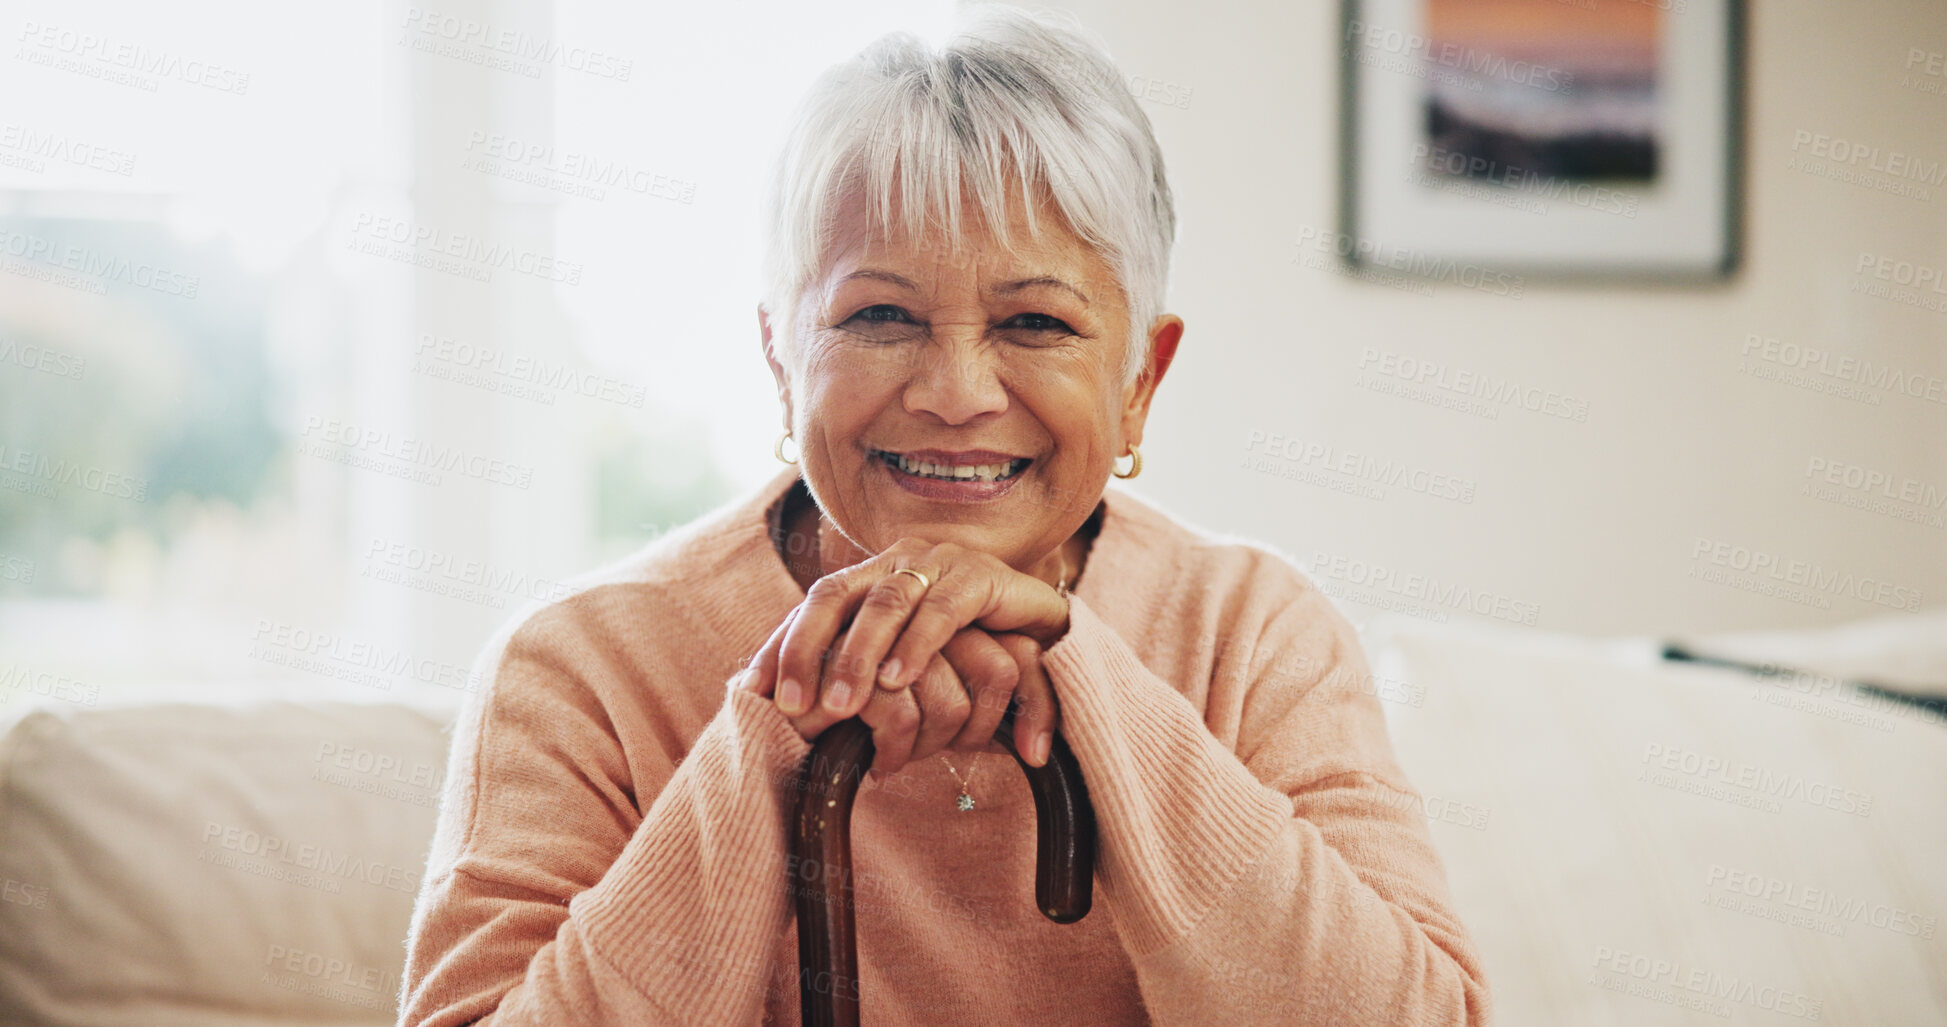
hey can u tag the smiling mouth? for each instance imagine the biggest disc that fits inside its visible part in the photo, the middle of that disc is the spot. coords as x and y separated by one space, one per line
947 472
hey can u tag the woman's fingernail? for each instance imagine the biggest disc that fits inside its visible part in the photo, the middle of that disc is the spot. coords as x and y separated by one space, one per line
1041 742
838 696
789 695
889 673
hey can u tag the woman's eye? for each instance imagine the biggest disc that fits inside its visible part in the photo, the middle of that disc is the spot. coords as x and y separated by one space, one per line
1042 323
883 313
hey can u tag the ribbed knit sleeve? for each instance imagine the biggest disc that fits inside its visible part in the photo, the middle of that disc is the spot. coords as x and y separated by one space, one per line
549 899
1291 879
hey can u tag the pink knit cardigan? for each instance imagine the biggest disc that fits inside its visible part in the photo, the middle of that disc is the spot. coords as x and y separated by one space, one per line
611 846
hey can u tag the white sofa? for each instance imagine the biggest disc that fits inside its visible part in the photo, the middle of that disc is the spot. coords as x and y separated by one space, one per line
1632 842
1673 844
212 865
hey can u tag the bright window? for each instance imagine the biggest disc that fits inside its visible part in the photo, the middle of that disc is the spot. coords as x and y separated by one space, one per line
323 352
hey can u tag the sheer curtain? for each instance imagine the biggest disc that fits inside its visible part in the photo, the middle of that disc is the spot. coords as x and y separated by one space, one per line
329 341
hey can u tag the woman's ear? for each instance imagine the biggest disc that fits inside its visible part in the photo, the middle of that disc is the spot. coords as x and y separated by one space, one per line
1163 337
778 373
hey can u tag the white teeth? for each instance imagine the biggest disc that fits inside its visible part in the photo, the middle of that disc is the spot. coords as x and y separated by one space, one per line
976 472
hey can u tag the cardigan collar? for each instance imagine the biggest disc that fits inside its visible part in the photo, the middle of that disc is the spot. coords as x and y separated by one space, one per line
755 589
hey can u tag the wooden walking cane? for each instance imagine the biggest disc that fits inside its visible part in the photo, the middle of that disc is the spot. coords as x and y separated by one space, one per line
828 957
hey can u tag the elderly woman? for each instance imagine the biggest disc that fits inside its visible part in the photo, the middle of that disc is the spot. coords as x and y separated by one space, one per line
968 253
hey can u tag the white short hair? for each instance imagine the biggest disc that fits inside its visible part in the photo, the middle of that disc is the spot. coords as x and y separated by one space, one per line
1009 93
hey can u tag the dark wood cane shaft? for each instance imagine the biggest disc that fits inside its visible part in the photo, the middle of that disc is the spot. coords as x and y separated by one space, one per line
821 844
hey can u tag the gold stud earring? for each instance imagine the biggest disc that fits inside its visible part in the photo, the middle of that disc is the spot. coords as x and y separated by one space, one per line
778 450
1135 463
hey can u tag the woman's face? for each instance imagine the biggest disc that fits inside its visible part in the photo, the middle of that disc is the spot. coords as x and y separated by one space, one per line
972 397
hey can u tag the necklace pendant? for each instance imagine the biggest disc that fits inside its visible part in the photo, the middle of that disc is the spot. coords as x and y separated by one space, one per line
965 802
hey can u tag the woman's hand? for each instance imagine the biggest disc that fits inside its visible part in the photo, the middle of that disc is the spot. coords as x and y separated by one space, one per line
897 624
957 704
894 628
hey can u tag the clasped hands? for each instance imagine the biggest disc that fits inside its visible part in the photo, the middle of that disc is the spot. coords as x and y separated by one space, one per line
927 667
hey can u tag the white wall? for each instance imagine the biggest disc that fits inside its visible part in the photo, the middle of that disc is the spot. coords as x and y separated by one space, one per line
1591 525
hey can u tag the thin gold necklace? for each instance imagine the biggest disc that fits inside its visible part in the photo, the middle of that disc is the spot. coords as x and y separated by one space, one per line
965 803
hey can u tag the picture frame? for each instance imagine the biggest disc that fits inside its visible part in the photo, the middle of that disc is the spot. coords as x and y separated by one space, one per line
1560 139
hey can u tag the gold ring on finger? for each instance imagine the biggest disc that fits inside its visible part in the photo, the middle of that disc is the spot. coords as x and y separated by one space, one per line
924 581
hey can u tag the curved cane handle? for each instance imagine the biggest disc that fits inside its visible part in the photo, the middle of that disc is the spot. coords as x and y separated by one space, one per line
821 842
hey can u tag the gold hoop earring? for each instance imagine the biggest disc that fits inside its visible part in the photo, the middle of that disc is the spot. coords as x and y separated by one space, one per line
777 450
1135 463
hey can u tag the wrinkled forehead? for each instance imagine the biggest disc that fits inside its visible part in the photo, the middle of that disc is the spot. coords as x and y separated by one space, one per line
925 249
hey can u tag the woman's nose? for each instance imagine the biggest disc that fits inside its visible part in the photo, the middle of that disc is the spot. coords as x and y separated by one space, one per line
956 381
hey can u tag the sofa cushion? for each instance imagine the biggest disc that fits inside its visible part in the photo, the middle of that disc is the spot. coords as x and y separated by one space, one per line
1634 842
216 866
1903 651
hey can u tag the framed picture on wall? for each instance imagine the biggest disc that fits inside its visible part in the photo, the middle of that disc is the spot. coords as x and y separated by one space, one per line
1569 138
